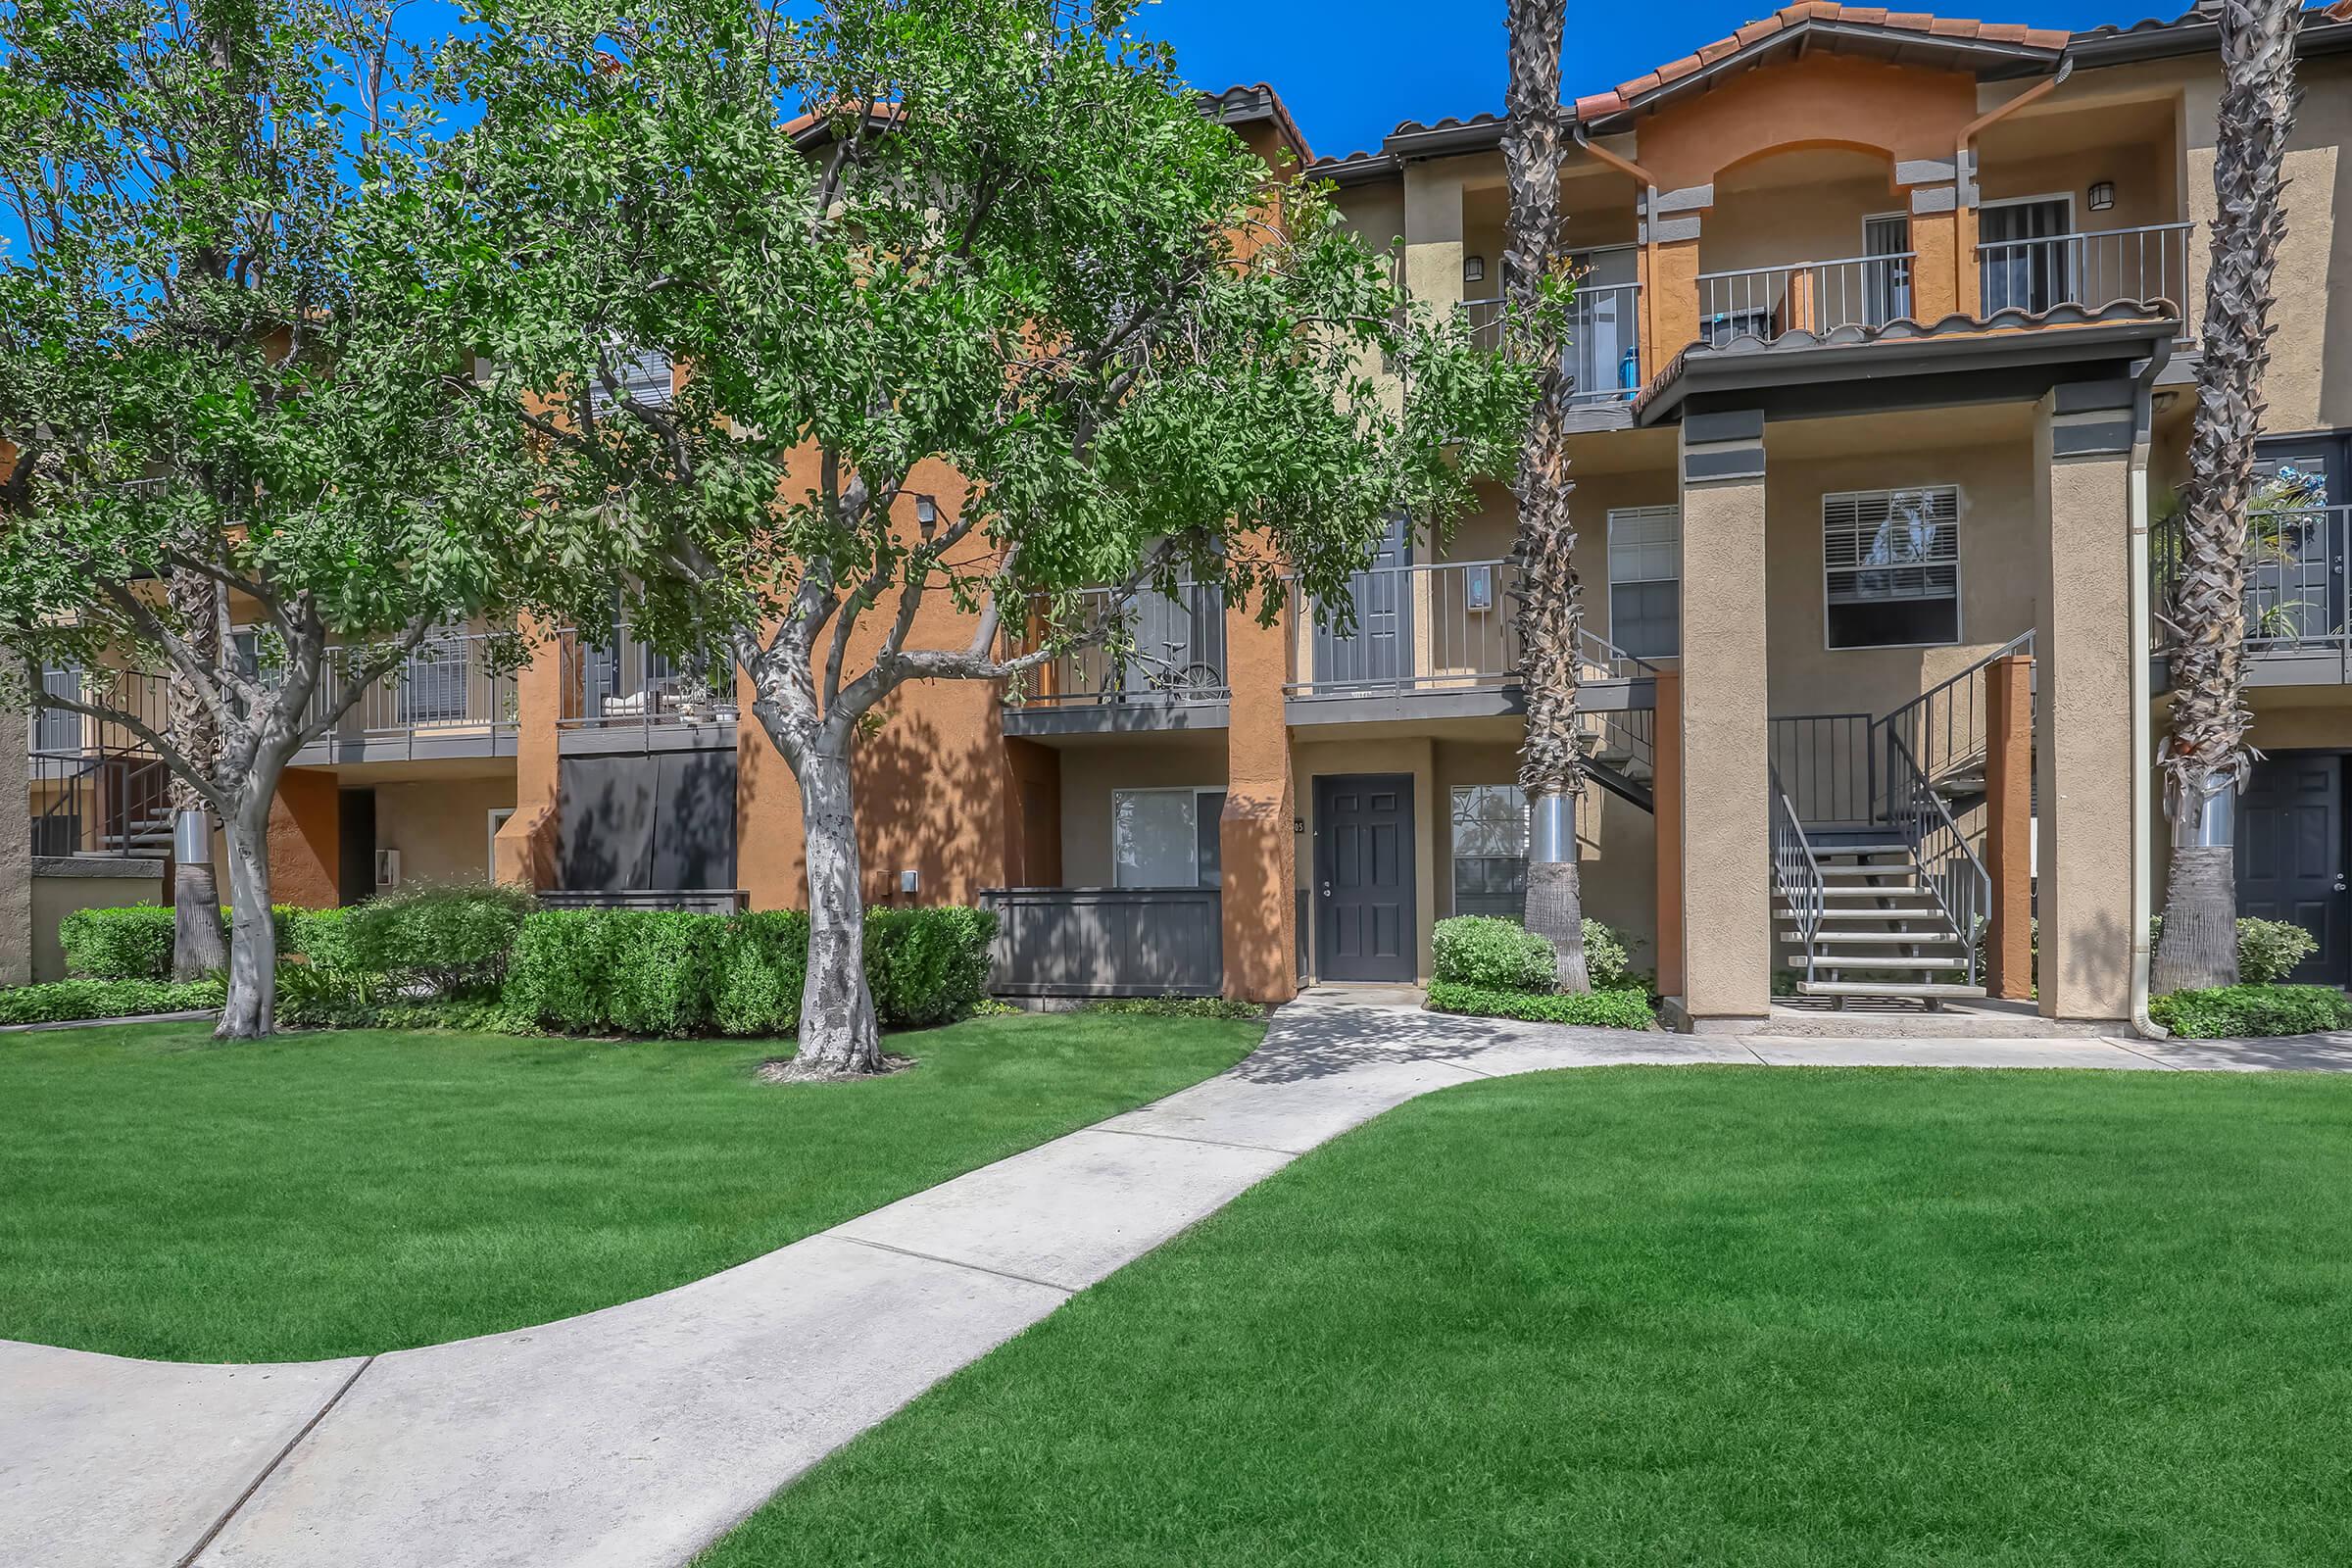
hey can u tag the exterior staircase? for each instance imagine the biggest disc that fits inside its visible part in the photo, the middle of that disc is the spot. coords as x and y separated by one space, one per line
1876 929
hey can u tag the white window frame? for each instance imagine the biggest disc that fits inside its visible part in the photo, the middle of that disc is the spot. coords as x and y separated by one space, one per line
497 819
1670 509
1959 595
1195 791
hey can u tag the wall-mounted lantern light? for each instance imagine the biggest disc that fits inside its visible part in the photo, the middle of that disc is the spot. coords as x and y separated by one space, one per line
1474 268
926 513
2102 195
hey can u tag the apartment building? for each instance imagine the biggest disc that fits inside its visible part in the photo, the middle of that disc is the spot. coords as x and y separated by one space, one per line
1885 340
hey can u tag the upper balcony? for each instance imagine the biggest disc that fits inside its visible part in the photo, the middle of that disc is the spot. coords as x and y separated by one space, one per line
450 697
2298 622
620 694
1168 672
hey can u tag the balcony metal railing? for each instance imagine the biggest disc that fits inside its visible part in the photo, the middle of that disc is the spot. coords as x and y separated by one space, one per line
2298 573
2094 270
1771 302
621 682
1441 626
1172 650
450 687
95 788
1603 354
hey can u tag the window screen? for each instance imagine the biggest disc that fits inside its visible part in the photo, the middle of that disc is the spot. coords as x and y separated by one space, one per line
1490 850
1891 565
1166 838
1645 568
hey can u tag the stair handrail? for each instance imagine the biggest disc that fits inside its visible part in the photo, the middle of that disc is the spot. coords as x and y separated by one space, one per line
1796 874
1915 719
1613 662
103 747
1947 864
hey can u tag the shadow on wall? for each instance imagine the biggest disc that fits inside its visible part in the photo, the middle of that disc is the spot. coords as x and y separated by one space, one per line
931 799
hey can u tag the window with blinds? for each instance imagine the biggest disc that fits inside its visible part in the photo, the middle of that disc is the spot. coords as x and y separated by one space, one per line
1646 571
644 377
1891 566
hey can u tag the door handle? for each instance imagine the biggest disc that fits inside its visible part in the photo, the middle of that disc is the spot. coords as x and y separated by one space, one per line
2339 884
1327 889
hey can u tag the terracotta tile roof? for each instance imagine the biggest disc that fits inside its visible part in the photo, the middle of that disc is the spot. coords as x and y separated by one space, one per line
1596 106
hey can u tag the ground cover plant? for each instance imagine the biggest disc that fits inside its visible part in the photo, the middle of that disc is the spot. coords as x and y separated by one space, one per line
66 1001
346 1193
1769 1318
2247 1011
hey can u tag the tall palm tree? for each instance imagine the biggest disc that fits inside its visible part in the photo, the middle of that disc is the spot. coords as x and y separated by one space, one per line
2206 761
1550 604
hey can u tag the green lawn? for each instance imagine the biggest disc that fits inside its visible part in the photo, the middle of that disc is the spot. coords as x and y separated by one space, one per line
1685 1316
337 1193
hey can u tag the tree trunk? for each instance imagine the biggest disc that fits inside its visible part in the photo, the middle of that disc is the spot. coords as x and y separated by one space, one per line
252 940
1555 909
839 1037
197 949
2196 948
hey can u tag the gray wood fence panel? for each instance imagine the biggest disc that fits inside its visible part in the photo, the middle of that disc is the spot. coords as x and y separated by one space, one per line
1106 942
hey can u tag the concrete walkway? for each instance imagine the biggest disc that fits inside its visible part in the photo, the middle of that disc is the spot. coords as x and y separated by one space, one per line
635 1435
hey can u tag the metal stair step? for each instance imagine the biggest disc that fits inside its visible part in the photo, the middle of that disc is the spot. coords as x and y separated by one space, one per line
1850 895
1875 988
1872 960
1946 938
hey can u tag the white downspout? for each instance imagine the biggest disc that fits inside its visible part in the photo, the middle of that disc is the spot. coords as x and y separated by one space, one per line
2143 753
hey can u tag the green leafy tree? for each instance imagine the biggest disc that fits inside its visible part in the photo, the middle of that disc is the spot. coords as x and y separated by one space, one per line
220 399
978 311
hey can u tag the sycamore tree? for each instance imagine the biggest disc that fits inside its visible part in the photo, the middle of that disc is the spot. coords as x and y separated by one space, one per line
222 406
975 310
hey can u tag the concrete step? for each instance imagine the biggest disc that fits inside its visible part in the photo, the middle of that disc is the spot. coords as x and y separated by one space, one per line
1946 937
1876 988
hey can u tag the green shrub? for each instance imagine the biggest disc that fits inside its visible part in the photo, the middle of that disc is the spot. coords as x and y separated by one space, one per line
66 1001
130 943
761 960
927 966
2267 950
316 995
1483 950
2230 1012
318 937
1624 1009
450 940
615 972
1182 1008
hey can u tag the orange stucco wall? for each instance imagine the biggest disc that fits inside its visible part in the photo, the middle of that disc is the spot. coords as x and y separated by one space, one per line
306 824
1821 100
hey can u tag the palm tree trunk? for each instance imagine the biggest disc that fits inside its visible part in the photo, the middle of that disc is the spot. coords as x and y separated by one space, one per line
197 947
2206 760
1550 607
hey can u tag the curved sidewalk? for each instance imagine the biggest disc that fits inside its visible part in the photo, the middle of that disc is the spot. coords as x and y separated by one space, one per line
634 1436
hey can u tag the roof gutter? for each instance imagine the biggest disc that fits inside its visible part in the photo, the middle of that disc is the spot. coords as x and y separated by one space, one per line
1649 233
1964 173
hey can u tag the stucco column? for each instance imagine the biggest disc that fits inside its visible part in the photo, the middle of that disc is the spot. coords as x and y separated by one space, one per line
1256 838
2009 826
1666 795
2083 437
1942 273
1670 292
1725 853
15 850
1432 234
525 849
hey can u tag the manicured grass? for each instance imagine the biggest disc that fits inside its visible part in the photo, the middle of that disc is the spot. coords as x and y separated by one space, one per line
1683 1317
337 1193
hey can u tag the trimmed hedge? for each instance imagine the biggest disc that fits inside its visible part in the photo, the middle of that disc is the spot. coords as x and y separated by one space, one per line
656 972
1499 955
133 941
1182 1008
68 1001
1622 1008
451 941
2233 1012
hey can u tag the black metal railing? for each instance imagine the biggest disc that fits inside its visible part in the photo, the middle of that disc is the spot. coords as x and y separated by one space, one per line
1946 728
1168 649
1797 878
1828 765
1948 865
94 787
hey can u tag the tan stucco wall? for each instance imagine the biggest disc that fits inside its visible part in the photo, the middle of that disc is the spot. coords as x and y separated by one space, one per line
1190 760
1999 528
441 827
53 897
1775 223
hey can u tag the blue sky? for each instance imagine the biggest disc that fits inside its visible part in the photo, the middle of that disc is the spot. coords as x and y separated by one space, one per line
1351 70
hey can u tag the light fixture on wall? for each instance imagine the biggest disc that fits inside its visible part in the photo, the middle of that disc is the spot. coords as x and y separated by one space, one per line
2102 195
926 515
1474 268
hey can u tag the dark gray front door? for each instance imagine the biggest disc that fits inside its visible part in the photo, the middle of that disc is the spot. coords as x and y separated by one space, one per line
2290 856
1364 877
